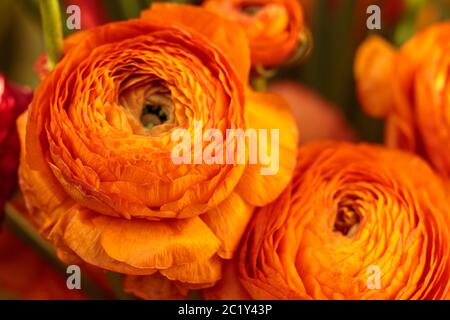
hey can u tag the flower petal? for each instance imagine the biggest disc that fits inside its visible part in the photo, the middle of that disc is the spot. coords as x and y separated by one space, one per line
227 35
228 222
269 111
229 287
374 65
153 287
156 244
42 192
198 272
83 237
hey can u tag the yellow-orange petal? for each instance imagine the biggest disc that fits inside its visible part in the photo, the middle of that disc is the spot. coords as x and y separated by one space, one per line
229 287
153 287
225 34
374 67
228 222
198 272
138 247
41 193
84 239
269 111
156 244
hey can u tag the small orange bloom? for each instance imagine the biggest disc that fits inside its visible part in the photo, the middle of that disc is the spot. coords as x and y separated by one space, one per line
357 222
96 167
410 87
274 27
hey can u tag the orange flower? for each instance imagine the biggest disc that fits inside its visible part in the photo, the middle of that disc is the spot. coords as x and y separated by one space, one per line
96 167
410 88
357 222
274 27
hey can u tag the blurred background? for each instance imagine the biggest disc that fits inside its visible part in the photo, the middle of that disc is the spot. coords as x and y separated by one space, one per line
337 27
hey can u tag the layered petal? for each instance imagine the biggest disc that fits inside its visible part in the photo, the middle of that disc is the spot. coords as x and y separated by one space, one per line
200 272
353 224
228 222
155 287
216 29
139 247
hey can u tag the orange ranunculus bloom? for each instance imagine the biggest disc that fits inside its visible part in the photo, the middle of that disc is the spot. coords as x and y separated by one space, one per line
410 88
357 222
273 27
96 167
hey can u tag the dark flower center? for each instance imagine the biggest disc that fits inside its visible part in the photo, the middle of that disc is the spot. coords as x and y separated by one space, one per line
251 9
155 111
347 218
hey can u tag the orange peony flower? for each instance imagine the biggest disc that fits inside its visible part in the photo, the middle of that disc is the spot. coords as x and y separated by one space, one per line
96 167
410 88
274 27
353 224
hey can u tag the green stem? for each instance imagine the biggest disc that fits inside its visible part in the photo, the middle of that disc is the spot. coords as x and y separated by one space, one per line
406 27
52 26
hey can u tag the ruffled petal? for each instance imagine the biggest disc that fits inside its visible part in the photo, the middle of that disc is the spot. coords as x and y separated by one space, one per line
153 287
156 244
227 35
198 272
84 238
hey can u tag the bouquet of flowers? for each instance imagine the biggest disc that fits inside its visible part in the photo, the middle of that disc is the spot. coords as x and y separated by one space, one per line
226 149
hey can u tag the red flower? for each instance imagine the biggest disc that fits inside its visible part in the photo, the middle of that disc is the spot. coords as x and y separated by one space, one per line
13 101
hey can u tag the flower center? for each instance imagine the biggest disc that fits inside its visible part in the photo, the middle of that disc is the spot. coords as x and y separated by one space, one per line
251 9
347 218
156 110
